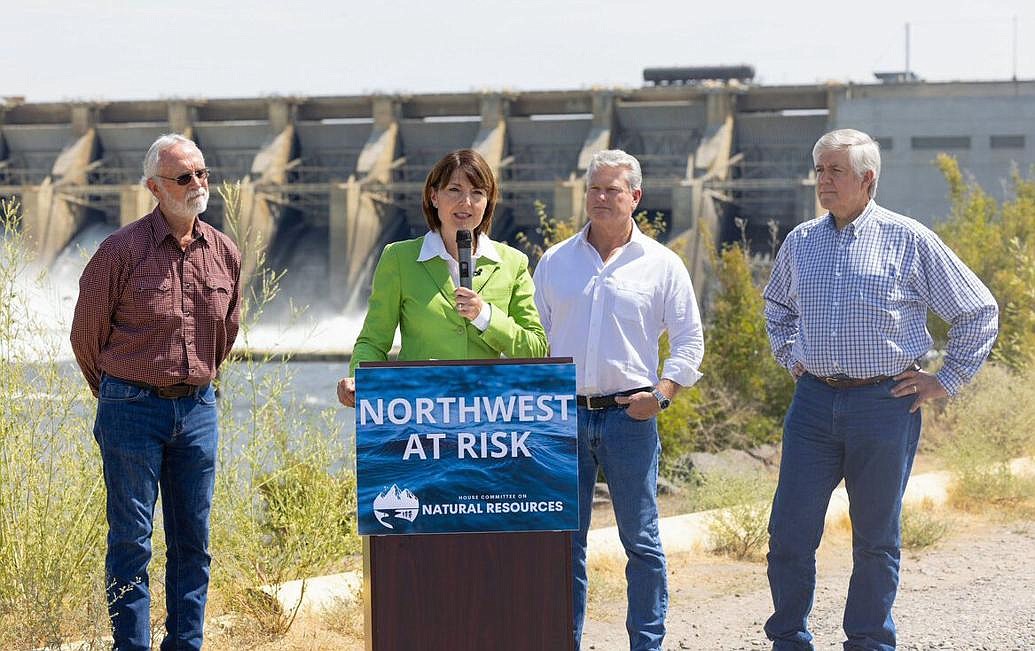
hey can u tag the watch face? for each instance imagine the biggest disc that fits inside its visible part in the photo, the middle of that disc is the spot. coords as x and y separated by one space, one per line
663 401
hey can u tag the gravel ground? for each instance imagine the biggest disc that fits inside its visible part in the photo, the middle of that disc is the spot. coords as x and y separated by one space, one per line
974 591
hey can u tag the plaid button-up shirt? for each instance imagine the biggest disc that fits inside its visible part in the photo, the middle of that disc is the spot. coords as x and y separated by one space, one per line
854 301
152 312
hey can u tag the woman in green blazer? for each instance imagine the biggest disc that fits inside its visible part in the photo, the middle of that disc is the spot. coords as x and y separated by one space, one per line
416 283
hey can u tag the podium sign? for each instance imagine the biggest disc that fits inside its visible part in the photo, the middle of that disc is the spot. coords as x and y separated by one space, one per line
466 448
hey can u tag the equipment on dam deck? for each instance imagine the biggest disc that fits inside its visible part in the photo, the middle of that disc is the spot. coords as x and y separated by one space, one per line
690 75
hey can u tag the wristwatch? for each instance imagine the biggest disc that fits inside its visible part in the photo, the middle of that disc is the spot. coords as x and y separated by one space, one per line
663 400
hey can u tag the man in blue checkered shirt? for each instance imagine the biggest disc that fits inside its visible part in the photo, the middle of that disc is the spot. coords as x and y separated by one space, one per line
846 313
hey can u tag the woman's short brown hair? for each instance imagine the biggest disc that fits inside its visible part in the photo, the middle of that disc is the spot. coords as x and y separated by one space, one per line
478 173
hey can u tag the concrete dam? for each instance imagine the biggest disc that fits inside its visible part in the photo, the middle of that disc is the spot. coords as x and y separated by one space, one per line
327 181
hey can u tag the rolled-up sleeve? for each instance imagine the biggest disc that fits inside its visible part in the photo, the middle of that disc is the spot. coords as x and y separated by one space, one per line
682 320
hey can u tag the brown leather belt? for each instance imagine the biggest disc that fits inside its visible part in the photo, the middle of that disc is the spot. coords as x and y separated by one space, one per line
851 382
606 402
171 392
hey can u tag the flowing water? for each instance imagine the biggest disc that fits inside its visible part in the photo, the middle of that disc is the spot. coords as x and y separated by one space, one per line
318 333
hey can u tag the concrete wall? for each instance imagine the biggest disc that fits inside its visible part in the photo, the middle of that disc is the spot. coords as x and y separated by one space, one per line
914 123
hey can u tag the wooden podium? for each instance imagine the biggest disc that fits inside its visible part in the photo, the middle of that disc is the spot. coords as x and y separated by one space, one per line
498 590
469 591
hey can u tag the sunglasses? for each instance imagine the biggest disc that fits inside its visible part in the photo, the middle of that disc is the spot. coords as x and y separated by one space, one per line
184 179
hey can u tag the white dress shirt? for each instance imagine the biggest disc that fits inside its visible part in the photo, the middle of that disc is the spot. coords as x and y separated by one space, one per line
608 315
434 247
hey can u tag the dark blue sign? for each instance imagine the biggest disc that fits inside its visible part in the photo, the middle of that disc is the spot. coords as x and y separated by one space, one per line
450 449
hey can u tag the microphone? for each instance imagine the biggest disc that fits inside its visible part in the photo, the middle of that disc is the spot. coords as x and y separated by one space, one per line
463 251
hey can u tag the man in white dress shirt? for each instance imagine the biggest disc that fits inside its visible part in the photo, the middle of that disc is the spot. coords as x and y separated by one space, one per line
605 295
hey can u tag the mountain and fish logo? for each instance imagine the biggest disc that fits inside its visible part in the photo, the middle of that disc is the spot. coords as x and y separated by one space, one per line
394 504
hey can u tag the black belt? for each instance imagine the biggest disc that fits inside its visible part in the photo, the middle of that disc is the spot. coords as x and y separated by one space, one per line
845 382
171 392
605 402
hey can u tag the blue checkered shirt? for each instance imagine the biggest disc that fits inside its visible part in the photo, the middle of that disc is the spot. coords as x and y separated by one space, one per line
854 302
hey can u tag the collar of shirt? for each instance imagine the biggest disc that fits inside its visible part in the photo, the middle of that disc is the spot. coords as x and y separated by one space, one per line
636 238
160 227
860 224
435 247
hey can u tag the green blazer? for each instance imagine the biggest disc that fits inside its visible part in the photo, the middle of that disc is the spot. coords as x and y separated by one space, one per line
418 298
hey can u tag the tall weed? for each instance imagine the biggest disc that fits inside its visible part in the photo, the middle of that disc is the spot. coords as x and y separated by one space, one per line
51 490
285 499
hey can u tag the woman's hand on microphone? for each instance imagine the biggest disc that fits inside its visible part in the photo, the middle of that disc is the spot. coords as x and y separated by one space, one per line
468 303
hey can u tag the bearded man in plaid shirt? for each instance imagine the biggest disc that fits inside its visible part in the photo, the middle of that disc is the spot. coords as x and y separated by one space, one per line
846 313
157 314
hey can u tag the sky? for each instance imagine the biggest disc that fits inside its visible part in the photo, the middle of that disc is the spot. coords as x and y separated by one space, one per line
117 50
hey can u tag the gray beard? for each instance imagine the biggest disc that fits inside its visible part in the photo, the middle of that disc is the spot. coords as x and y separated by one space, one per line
192 207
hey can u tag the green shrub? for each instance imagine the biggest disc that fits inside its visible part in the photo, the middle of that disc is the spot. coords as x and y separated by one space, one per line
740 401
741 358
997 241
741 531
739 528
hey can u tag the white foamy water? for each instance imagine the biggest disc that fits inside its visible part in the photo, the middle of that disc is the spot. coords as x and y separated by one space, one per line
43 300
333 335
49 298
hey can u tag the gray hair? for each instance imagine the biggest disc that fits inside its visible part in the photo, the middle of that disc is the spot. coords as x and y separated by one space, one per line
617 158
863 152
167 141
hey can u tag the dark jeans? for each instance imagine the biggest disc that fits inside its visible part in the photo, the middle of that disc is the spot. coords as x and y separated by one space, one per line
627 450
149 443
869 438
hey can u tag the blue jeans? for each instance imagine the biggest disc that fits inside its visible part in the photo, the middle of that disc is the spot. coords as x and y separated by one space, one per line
149 443
627 450
869 438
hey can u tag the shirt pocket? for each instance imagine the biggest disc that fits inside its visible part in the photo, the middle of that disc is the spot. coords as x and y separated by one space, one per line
217 297
632 301
878 301
154 296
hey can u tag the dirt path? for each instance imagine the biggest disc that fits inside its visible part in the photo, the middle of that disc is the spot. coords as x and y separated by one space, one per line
976 590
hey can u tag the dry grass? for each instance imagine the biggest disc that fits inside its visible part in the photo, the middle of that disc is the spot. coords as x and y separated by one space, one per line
606 585
991 422
345 617
924 525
